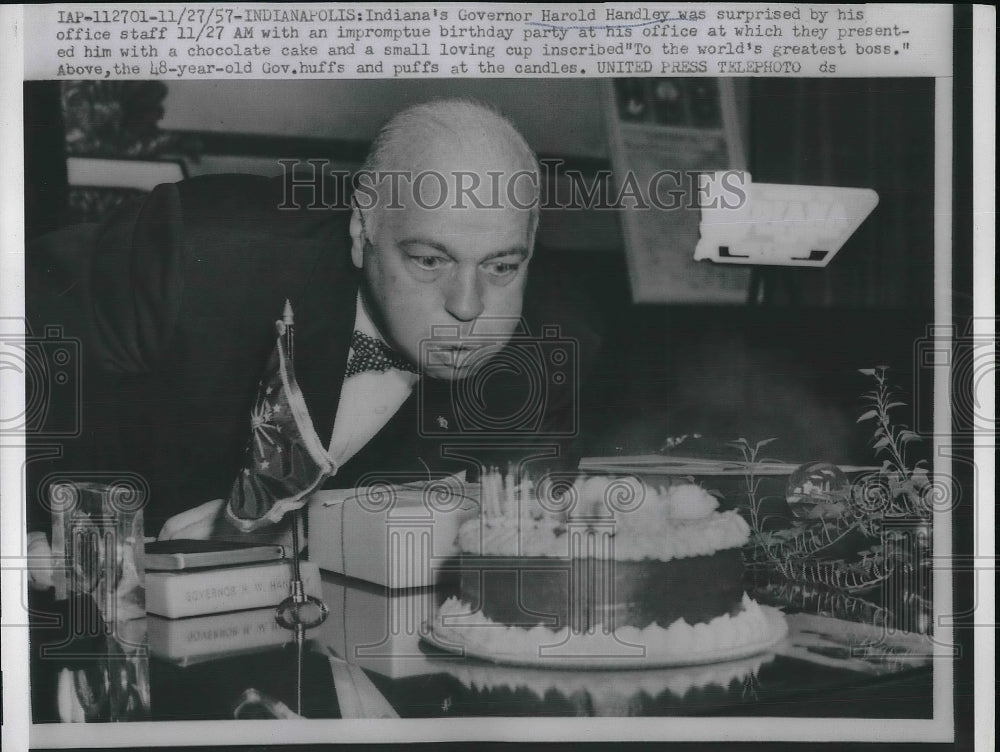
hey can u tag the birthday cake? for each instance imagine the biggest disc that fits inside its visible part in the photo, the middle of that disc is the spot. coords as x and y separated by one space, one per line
608 571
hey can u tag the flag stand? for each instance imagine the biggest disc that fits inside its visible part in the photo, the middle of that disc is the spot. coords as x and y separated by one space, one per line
298 611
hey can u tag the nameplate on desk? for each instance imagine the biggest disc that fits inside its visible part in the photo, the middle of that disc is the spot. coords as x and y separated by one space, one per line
199 639
771 224
211 591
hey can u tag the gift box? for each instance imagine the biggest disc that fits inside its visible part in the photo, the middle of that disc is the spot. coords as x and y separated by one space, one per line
394 536
378 629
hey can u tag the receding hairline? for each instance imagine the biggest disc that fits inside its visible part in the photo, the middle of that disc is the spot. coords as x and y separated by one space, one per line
478 132
474 127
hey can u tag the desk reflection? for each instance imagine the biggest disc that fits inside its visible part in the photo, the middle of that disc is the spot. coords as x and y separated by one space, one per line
370 659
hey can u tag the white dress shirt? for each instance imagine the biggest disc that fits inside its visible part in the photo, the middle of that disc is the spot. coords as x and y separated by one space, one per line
367 400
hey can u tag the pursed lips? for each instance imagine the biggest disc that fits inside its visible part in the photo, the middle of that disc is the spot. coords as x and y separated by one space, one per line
455 355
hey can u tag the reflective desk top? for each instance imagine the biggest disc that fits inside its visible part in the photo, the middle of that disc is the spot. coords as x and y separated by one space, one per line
369 660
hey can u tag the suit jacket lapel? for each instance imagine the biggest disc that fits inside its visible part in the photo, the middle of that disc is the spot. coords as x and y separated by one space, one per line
403 450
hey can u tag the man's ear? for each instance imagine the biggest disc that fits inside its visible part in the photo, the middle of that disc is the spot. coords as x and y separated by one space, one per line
357 229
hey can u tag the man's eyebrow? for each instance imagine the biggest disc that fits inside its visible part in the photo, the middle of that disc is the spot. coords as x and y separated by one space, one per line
517 250
426 243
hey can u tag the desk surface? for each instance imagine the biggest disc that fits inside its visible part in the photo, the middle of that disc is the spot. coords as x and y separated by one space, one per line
365 662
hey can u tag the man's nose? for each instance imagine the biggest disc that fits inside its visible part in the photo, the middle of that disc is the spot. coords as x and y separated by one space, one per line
464 300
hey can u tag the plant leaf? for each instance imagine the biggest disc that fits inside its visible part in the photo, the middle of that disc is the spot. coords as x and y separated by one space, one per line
895 404
866 416
867 371
883 442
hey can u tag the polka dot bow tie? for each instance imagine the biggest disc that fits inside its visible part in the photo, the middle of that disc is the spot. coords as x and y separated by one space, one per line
371 354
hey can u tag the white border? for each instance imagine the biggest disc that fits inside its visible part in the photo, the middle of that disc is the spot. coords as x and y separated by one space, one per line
224 733
944 709
15 654
984 96
14 660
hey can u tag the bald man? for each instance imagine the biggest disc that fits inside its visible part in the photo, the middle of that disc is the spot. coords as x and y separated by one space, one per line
175 299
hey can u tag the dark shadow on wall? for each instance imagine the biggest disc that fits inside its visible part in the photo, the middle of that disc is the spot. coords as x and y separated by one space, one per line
44 158
787 367
867 133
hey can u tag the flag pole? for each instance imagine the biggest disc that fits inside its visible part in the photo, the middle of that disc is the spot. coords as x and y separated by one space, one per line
298 589
290 611
298 594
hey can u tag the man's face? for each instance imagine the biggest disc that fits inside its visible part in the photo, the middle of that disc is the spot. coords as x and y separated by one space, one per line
457 270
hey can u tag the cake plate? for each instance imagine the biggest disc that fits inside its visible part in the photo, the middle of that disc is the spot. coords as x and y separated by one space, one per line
539 648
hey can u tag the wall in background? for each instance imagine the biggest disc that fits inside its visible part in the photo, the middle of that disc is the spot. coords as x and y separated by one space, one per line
556 116
875 133
239 121
870 133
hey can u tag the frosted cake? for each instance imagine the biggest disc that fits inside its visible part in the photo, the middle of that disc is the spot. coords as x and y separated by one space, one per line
605 571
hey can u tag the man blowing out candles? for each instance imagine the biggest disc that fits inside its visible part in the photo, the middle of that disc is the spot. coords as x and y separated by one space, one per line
423 347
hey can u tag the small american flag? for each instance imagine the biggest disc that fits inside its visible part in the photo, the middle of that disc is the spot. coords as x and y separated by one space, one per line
285 459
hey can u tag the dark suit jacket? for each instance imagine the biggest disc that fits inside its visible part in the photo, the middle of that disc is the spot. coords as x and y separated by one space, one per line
174 301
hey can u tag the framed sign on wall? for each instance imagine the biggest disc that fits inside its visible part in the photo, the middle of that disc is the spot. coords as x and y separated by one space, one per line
662 132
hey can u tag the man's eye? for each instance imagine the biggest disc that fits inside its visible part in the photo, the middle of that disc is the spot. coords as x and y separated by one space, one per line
503 268
428 263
